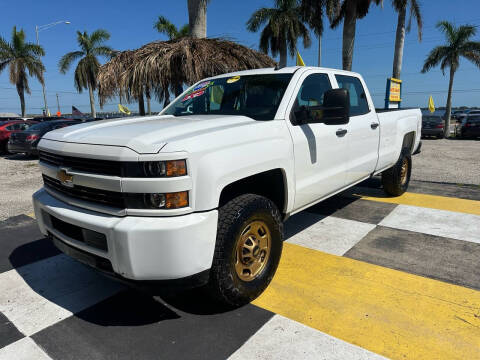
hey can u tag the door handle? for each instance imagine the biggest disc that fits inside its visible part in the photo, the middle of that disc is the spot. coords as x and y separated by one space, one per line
341 132
374 125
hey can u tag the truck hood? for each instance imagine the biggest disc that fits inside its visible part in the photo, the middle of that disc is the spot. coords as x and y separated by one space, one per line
145 135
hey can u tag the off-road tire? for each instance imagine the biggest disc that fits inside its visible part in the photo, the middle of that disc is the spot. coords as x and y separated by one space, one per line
225 287
392 179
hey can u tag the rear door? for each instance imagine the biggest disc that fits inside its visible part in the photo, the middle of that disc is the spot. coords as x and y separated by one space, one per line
320 153
363 130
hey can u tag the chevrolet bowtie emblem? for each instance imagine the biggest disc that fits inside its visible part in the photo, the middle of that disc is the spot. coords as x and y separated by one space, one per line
65 178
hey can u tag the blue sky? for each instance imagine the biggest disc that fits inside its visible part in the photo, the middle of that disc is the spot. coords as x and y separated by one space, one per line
131 25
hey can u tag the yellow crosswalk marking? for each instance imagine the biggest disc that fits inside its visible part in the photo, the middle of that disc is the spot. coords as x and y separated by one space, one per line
424 200
392 313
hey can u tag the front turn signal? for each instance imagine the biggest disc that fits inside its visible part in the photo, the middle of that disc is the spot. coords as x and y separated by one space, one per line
176 168
176 200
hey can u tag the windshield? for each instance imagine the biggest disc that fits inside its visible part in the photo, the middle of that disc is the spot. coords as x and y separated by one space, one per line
255 96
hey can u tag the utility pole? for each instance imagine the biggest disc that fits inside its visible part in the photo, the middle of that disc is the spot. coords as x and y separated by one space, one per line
37 30
43 82
58 104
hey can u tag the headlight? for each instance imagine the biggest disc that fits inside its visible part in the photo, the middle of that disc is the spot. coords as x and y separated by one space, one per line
154 169
174 200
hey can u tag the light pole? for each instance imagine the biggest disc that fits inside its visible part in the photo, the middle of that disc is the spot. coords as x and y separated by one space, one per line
37 30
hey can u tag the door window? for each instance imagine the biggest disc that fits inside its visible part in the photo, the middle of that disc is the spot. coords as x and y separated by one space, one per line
310 97
358 98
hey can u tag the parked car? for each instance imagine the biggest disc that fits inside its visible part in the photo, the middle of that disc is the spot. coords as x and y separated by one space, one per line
9 127
432 125
469 127
48 118
26 141
197 196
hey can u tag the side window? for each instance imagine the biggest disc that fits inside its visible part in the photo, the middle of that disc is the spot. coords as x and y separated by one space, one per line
358 98
310 95
10 128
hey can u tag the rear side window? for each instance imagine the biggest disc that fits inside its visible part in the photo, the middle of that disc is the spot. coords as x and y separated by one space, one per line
358 97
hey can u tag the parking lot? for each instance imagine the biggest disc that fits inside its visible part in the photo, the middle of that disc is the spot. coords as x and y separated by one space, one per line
362 276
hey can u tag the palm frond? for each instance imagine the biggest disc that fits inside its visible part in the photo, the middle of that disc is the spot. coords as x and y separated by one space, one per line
258 18
415 13
34 49
435 57
164 26
184 31
106 51
98 37
67 60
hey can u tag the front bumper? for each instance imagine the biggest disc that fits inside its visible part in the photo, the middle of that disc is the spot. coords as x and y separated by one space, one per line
138 248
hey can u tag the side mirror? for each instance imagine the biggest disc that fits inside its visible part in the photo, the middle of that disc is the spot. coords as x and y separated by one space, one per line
336 107
335 110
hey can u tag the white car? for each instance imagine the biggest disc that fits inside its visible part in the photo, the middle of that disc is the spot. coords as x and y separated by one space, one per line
197 195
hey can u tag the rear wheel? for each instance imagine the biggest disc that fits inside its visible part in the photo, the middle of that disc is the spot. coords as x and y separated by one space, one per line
396 179
248 250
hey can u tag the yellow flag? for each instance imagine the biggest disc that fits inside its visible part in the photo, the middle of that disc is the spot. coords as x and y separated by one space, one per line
431 105
124 109
299 60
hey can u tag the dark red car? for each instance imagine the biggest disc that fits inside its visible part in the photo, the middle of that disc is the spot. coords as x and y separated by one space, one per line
10 126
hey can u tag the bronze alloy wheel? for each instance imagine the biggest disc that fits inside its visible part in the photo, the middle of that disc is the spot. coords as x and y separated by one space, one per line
404 172
252 250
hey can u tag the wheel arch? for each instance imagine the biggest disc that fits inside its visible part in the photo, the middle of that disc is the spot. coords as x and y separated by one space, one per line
271 183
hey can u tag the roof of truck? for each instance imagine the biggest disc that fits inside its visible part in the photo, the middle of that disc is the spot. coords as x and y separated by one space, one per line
285 70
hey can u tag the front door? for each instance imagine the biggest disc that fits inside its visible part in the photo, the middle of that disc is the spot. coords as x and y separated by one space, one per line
320 150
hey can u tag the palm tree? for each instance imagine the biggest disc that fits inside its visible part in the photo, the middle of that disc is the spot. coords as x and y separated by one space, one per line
86 71
349 11
312 13
197 18
21 57
164 26
459 44
401 7
284 26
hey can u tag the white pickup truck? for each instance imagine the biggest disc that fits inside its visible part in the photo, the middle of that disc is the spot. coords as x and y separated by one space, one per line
197 195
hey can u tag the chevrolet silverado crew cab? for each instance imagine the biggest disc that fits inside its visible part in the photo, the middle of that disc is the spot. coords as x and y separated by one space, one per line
196 196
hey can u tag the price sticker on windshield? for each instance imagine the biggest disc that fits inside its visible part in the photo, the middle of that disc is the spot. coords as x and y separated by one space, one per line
233 79
193 95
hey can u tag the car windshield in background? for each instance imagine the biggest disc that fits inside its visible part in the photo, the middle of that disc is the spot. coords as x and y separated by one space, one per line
255 96
475 118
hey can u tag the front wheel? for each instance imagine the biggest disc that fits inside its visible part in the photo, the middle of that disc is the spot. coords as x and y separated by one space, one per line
248 249
396 179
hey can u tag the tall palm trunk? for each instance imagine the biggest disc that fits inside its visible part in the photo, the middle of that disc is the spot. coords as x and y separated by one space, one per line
283 55
21 95
149 107
399 43
178 90
446 128
349 27
197 18
92 101
319 50
141 105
